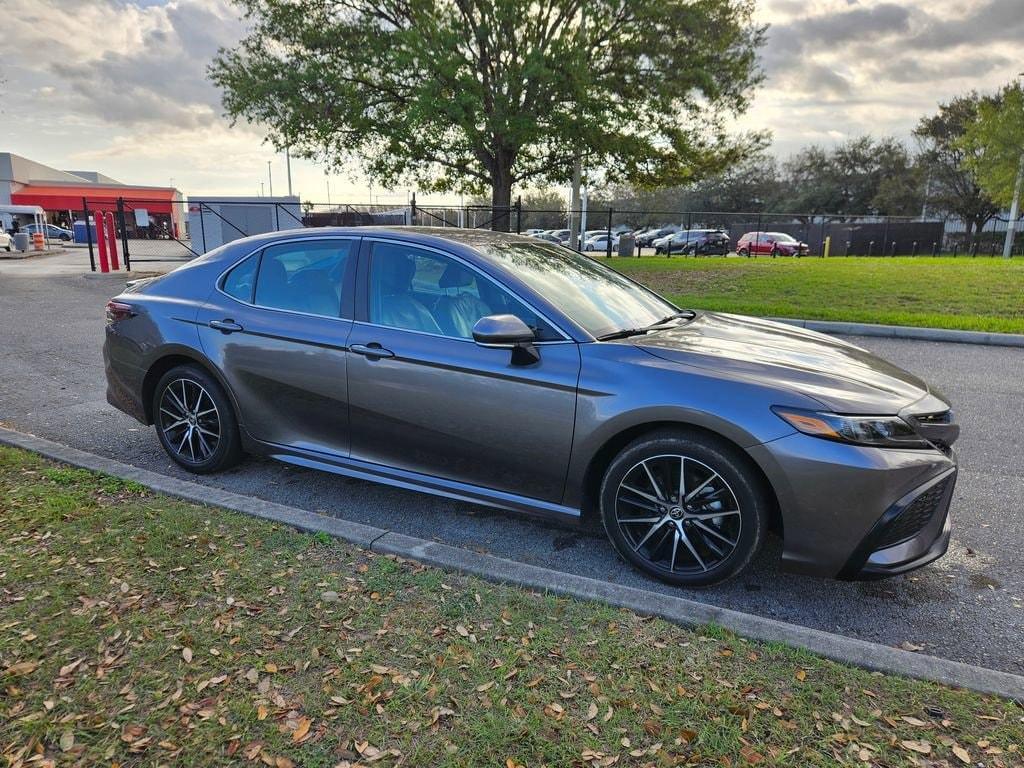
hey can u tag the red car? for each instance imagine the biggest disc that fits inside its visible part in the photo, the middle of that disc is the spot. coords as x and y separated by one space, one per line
773 243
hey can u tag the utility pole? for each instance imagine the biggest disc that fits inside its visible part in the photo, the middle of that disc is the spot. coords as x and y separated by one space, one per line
288 166
575 204
270 180
1011 225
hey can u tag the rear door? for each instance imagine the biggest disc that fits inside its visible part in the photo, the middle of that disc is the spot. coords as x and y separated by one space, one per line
426 398
277 328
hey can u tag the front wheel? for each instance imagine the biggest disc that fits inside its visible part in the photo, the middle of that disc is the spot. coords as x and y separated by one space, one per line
195 421
684 507
743 252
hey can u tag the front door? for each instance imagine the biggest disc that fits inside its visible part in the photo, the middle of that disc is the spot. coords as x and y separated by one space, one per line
276 329
424 397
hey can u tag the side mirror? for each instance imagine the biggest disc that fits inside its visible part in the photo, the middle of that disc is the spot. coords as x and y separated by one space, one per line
507 331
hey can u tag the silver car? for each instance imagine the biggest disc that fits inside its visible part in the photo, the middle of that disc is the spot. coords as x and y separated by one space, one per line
511 372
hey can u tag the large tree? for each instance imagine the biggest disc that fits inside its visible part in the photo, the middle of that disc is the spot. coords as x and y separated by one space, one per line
860 176
994 144
952 186
475 95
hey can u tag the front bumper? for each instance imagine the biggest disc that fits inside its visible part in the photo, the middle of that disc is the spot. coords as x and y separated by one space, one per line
849 511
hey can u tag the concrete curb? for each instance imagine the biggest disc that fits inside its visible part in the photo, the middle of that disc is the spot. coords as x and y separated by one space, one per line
679 610
907 332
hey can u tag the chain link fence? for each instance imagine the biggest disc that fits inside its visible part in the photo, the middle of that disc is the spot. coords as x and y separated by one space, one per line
150 230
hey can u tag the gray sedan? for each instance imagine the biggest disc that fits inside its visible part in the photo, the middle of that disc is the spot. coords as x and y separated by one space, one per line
511 372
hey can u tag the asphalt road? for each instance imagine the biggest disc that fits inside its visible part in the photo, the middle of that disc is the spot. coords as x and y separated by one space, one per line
969 606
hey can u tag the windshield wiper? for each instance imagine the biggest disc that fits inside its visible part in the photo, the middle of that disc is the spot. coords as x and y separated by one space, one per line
625 333
689 314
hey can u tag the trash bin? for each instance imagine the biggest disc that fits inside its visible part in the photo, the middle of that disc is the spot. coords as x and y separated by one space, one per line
21 241
626 245
81 233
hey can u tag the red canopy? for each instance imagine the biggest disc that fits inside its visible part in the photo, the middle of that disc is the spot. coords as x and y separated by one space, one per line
66 197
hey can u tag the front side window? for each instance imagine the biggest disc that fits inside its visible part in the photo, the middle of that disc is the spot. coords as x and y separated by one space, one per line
420 290
304 276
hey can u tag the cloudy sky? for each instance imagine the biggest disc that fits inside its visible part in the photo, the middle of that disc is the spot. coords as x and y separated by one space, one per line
120 86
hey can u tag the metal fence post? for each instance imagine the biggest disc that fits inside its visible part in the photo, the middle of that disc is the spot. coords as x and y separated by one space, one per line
412 210
519 214
202 224
608 239
124 234
885 236
88 234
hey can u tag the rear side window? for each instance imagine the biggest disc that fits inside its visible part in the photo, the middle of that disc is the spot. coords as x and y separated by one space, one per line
241 279
303 276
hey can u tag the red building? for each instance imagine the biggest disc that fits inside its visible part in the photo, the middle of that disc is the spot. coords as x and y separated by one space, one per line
65 195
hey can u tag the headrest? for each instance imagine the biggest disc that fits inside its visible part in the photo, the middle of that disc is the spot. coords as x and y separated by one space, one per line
455 276
396 273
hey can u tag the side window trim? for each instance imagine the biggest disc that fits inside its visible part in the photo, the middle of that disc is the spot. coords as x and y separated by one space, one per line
349 278
362 303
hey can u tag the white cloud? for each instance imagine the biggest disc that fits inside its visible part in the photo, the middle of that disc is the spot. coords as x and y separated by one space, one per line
121 85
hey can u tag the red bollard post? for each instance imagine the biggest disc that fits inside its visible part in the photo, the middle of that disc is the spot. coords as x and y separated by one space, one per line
112 244
101 240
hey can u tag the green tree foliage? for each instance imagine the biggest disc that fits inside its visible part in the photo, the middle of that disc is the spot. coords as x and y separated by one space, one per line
475 95
860 176
994 144
952 186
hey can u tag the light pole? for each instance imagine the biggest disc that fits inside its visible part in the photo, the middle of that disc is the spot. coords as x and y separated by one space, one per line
270 180
288 167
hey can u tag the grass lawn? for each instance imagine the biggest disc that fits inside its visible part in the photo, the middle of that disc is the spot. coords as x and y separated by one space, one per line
140 630
981 294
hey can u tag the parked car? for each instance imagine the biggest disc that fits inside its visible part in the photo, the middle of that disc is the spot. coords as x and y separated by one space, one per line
694 242
774 243
584 236
647 238
50 231
547 236
561 234
601 242
532 232
5 240
398 355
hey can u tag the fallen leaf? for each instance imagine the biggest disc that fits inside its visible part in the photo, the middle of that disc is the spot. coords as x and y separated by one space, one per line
261 712
914 721
186 654
67 740
301 730
921 747
801 675
962 754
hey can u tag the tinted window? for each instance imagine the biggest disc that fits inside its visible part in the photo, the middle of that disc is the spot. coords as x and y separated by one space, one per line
240 279
303 276
595 296
421 290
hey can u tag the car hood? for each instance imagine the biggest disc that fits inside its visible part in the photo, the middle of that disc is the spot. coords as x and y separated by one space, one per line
842 377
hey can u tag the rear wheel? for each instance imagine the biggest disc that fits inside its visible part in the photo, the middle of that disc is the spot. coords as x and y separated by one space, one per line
684 507
195 421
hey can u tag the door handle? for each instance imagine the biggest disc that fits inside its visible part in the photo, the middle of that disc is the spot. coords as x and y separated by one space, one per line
372 350
225 326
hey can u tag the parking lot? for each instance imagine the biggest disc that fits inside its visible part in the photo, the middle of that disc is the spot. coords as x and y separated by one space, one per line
969 606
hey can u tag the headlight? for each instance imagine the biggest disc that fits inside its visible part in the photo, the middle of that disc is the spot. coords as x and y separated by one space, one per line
880 431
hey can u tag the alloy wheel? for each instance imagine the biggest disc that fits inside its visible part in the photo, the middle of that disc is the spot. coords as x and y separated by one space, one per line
678 513
189 420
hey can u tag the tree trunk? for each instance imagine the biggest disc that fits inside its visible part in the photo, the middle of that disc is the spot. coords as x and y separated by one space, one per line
501 199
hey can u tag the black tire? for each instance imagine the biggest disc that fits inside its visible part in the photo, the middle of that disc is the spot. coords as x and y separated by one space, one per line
646 544
742 252
204 441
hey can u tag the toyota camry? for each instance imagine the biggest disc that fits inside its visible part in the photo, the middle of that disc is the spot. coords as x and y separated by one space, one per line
507 371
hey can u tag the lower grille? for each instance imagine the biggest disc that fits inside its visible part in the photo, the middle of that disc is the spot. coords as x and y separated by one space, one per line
908 523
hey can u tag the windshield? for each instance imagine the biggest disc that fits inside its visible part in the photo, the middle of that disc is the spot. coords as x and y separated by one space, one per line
782 237
597 297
